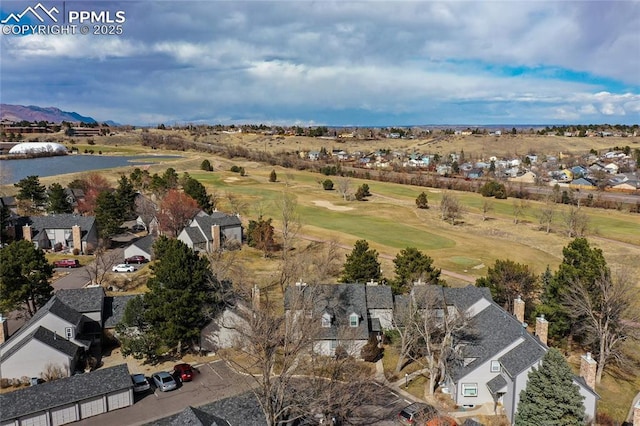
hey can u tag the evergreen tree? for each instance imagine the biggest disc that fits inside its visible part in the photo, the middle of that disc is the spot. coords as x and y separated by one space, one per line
57 201
411 265
551 398
421 201
32 194
206 166
196 190
327 185
361 265
260 235
183 294
24 278
507 280
362 192
273 177
109 214
126 195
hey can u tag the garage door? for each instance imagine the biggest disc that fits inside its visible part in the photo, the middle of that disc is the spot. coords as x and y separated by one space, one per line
34 420
91 407
118 400
63 415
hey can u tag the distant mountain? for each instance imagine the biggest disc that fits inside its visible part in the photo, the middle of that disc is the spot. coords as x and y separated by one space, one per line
36 113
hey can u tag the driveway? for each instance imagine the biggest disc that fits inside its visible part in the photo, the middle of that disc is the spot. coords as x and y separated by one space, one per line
213 381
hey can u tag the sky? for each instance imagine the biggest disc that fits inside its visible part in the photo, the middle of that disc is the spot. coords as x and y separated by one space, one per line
309 63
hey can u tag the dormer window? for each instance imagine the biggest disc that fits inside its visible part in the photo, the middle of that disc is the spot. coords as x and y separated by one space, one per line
326 319
353 320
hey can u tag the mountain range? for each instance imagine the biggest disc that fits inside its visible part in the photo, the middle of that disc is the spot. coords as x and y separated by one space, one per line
35 113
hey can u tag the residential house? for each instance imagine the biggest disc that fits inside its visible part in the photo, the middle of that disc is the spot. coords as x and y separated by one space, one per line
493 362
69 399
582 183
61 231
9 203
348 314
141 247
212 232
75 196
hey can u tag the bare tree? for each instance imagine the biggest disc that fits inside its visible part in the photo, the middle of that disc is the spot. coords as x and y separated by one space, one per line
104 260
547 212
236 203
487 207
215 198
402 325
608 316
450 208
290 220
519 207
576 222
344 187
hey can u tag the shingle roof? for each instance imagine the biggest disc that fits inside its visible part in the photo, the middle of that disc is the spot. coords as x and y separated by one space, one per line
197 417
464 298
146 244
88 299
47 337
522 356
216 218
195 235
496 384
379 297
64 391
114 309
62 221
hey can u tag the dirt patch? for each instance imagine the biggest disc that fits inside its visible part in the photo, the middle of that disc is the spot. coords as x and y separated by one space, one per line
329 205
114 357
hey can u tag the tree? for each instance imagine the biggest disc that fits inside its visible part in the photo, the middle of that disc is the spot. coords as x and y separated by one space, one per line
362 192
32 194
290 219
551 397
126 195
24 278
361 265
547 212
450 208
576 222
487 207
493 189
109 214
421 201
206 166
327 185
519 206
403 334
92 185
412 265
196 190
57 200
606 316
176 211
104 260
146 210
344 187
260 235
273 177
507 280
183 294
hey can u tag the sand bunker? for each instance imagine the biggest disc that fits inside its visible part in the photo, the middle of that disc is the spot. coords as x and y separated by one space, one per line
329 205
231 179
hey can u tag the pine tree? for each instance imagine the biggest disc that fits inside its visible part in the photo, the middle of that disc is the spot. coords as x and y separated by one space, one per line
32 194
421 201
551 398
362 264
273 177
57 201
410 265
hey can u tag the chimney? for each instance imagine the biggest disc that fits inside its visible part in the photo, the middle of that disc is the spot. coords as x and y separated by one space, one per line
76 234
26 233
215 234
4 329
542 329
588 367
372 282
518 309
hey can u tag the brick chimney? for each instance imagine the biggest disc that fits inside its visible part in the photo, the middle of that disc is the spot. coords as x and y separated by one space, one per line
542 329
588 367
26 233
215 234
4 329
518 309
76 234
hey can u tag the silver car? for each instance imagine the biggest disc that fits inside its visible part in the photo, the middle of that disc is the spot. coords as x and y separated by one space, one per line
164 381
140 383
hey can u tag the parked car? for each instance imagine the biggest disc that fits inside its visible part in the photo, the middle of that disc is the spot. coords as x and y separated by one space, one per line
66 263
140 383
416 413
136 259
123 267
183 372
164 381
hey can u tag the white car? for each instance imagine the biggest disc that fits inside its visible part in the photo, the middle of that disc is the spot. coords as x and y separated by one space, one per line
123 268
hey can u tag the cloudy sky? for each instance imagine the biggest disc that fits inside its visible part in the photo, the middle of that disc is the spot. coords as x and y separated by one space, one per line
370 63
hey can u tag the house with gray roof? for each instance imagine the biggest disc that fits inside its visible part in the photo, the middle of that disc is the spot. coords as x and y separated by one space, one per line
141 247
61 231
69 399
60 333
347 314
212 232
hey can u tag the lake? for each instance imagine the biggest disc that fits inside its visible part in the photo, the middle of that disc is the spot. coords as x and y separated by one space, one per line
15 170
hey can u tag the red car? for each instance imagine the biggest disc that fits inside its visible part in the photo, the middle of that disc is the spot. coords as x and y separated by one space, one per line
66 263
136 259
184 372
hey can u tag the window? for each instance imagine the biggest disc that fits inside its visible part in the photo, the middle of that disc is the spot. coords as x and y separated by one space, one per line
353 320
469 389
326 320
68 332
495 366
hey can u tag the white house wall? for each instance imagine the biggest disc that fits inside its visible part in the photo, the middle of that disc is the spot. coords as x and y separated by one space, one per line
49 321
520 383
31 359
384 315
589 402
137 251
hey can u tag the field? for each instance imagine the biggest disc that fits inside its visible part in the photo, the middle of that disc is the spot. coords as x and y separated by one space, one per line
390 221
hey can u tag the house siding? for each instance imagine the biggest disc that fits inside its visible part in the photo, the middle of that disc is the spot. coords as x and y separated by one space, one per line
31 358
132 250
384 315
50 322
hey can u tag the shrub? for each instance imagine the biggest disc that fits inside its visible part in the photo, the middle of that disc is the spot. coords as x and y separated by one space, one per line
76 251
206 166
273 176
53 372
4 383
494 189
421 201
91 142
235 169
327 185
371 352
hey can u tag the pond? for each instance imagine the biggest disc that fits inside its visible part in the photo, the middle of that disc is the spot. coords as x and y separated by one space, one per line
15 170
